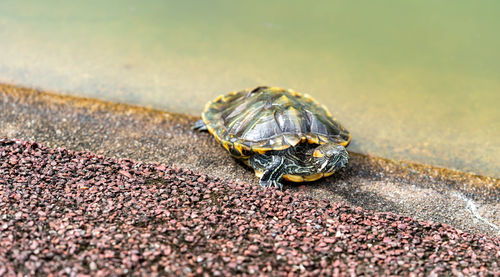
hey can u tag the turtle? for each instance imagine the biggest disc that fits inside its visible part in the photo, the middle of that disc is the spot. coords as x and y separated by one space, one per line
280 133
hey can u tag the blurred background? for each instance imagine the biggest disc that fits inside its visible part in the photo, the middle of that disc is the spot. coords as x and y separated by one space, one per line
414 80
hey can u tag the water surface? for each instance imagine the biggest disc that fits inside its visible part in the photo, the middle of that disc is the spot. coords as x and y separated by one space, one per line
412 80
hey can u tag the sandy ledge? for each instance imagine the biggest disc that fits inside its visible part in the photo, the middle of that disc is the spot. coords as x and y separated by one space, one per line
466 201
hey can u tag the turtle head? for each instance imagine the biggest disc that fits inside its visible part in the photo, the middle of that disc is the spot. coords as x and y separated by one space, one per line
329 157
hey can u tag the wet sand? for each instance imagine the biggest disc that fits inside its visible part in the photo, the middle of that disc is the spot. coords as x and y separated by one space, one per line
465 201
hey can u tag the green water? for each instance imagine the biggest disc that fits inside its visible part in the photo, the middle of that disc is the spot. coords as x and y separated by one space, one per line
412 80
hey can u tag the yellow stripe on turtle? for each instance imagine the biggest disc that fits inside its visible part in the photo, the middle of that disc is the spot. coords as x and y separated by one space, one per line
293 178
294 93
312 139
211 130
227 97
282 100
345 142
264 149
296 178
219 98
328 174
275 89
328 112
293 111
307 178
238 107
313 177
227 146
261 150
240 147
259 173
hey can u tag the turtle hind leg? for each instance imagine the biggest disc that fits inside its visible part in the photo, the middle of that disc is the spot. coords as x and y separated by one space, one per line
273 173
199 125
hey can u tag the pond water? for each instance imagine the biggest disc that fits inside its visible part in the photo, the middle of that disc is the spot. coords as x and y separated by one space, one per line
412 80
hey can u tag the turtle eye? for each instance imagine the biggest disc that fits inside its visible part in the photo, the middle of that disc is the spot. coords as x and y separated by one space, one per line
318 154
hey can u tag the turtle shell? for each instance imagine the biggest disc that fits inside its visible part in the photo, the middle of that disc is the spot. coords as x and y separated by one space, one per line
270 118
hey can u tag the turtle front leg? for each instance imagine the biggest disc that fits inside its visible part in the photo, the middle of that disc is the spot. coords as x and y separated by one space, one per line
273 173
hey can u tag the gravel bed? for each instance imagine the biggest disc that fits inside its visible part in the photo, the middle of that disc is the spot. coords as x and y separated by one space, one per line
73 213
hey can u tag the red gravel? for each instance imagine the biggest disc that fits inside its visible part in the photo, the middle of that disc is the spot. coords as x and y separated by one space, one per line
70 212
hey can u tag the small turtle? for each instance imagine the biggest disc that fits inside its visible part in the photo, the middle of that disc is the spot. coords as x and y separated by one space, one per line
280 133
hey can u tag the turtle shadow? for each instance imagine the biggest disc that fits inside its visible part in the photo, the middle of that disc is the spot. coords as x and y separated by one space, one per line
344 186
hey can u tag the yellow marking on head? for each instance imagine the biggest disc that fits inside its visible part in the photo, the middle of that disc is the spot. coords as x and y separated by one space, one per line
259 173
293 178
318 154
